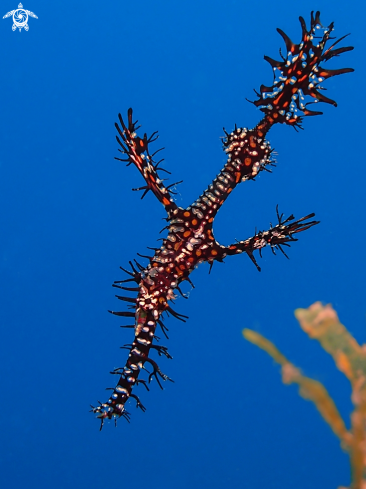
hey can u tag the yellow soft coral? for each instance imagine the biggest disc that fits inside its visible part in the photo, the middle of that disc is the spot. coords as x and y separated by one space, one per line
322 323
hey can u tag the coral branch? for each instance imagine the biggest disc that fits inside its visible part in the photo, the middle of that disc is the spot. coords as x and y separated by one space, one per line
322 323
309 389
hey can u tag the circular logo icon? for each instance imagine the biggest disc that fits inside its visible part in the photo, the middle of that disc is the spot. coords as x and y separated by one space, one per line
20 18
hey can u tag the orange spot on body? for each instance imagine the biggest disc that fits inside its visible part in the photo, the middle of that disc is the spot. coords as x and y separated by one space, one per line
237 177
186 234
194 222
187 214
276 100
248 161
198 253
213 252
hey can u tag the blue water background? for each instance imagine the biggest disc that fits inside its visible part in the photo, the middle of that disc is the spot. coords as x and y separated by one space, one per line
69 219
